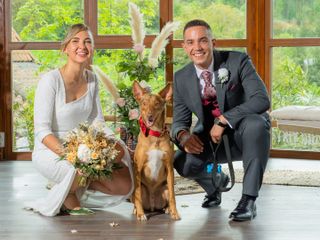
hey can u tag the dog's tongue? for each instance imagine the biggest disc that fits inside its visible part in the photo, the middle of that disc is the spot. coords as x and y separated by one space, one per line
149 122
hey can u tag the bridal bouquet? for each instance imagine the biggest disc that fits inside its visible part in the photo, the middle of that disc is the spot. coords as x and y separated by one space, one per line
91 152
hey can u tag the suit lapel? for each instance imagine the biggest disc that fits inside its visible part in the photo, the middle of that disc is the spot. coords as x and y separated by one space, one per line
195 96
220 88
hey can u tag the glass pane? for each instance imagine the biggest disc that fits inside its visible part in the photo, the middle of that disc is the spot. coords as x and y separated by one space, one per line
227 18
296 18
26 69
296 98
44 20
113 16
181 59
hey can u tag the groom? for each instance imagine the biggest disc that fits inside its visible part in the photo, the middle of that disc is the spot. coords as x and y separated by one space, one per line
223 90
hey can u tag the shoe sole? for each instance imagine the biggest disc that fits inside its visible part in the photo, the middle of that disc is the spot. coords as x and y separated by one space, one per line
243 219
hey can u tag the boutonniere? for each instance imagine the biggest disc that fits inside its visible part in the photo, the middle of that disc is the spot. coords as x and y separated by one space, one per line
223 75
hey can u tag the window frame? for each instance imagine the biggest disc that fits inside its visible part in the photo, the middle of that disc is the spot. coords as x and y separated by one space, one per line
258 41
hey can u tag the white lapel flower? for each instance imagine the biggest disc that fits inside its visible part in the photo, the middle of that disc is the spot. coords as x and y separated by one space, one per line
223 75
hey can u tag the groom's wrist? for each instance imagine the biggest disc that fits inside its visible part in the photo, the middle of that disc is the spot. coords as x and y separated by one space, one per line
183 136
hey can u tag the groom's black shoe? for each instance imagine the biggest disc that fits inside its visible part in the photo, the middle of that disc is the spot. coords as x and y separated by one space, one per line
215 199
246 210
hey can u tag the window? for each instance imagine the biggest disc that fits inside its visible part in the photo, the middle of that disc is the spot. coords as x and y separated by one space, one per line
284 44
294 76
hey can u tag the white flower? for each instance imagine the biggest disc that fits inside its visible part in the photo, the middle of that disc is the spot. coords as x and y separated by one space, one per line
223 75
84 153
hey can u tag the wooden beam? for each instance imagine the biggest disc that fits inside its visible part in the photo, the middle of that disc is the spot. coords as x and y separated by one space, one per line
7 91
277 153
2 71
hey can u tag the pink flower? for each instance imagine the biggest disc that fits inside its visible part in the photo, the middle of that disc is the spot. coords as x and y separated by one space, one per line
138 48
117 130
133 114
121 102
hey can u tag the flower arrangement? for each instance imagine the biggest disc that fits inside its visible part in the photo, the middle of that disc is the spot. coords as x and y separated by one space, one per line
91 151
137 66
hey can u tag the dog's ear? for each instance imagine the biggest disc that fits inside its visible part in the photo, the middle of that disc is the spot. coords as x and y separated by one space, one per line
166 92
137 91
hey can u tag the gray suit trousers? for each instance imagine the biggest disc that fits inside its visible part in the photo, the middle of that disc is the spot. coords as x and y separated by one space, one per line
249 142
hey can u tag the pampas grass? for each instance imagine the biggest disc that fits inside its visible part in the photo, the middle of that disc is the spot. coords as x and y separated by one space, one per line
160 42
138 35
106 81
137 26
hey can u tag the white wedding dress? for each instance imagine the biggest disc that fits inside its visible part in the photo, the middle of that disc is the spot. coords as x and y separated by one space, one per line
52 115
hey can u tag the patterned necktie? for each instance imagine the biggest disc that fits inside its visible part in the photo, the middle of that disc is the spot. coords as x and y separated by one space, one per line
209 94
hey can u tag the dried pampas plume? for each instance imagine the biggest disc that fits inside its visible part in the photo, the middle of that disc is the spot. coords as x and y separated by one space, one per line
160 42
106 81
137 26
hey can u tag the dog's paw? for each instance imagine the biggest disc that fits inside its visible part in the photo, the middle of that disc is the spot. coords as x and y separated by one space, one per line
175 216
166 210
141 217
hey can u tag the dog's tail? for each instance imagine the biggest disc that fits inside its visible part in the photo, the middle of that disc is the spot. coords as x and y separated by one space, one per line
107 82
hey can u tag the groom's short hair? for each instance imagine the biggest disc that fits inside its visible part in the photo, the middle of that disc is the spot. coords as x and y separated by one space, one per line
195 23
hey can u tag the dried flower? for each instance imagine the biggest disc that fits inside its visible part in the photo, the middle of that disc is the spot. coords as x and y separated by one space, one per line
138 48
106 81
160 42
92 151
83 153
137 26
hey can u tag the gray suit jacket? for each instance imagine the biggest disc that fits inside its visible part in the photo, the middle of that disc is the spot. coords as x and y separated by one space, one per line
243 94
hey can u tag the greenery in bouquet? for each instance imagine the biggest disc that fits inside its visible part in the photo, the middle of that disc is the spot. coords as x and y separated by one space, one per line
136 65
91 151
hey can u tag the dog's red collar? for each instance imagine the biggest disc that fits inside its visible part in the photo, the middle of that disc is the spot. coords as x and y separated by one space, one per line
147 131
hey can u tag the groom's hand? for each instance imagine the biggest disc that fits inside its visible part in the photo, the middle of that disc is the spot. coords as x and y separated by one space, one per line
191 143
216 133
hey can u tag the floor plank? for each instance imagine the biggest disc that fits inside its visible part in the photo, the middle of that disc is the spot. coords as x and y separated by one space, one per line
284 212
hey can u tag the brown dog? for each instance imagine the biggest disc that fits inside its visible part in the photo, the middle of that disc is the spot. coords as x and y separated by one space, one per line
153 157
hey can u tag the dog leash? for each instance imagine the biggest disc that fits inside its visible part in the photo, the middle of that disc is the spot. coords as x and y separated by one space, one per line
215 164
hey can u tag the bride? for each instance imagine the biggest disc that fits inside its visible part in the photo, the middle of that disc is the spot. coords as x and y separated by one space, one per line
64 98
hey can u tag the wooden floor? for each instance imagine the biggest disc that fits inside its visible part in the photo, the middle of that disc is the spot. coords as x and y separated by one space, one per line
284 213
